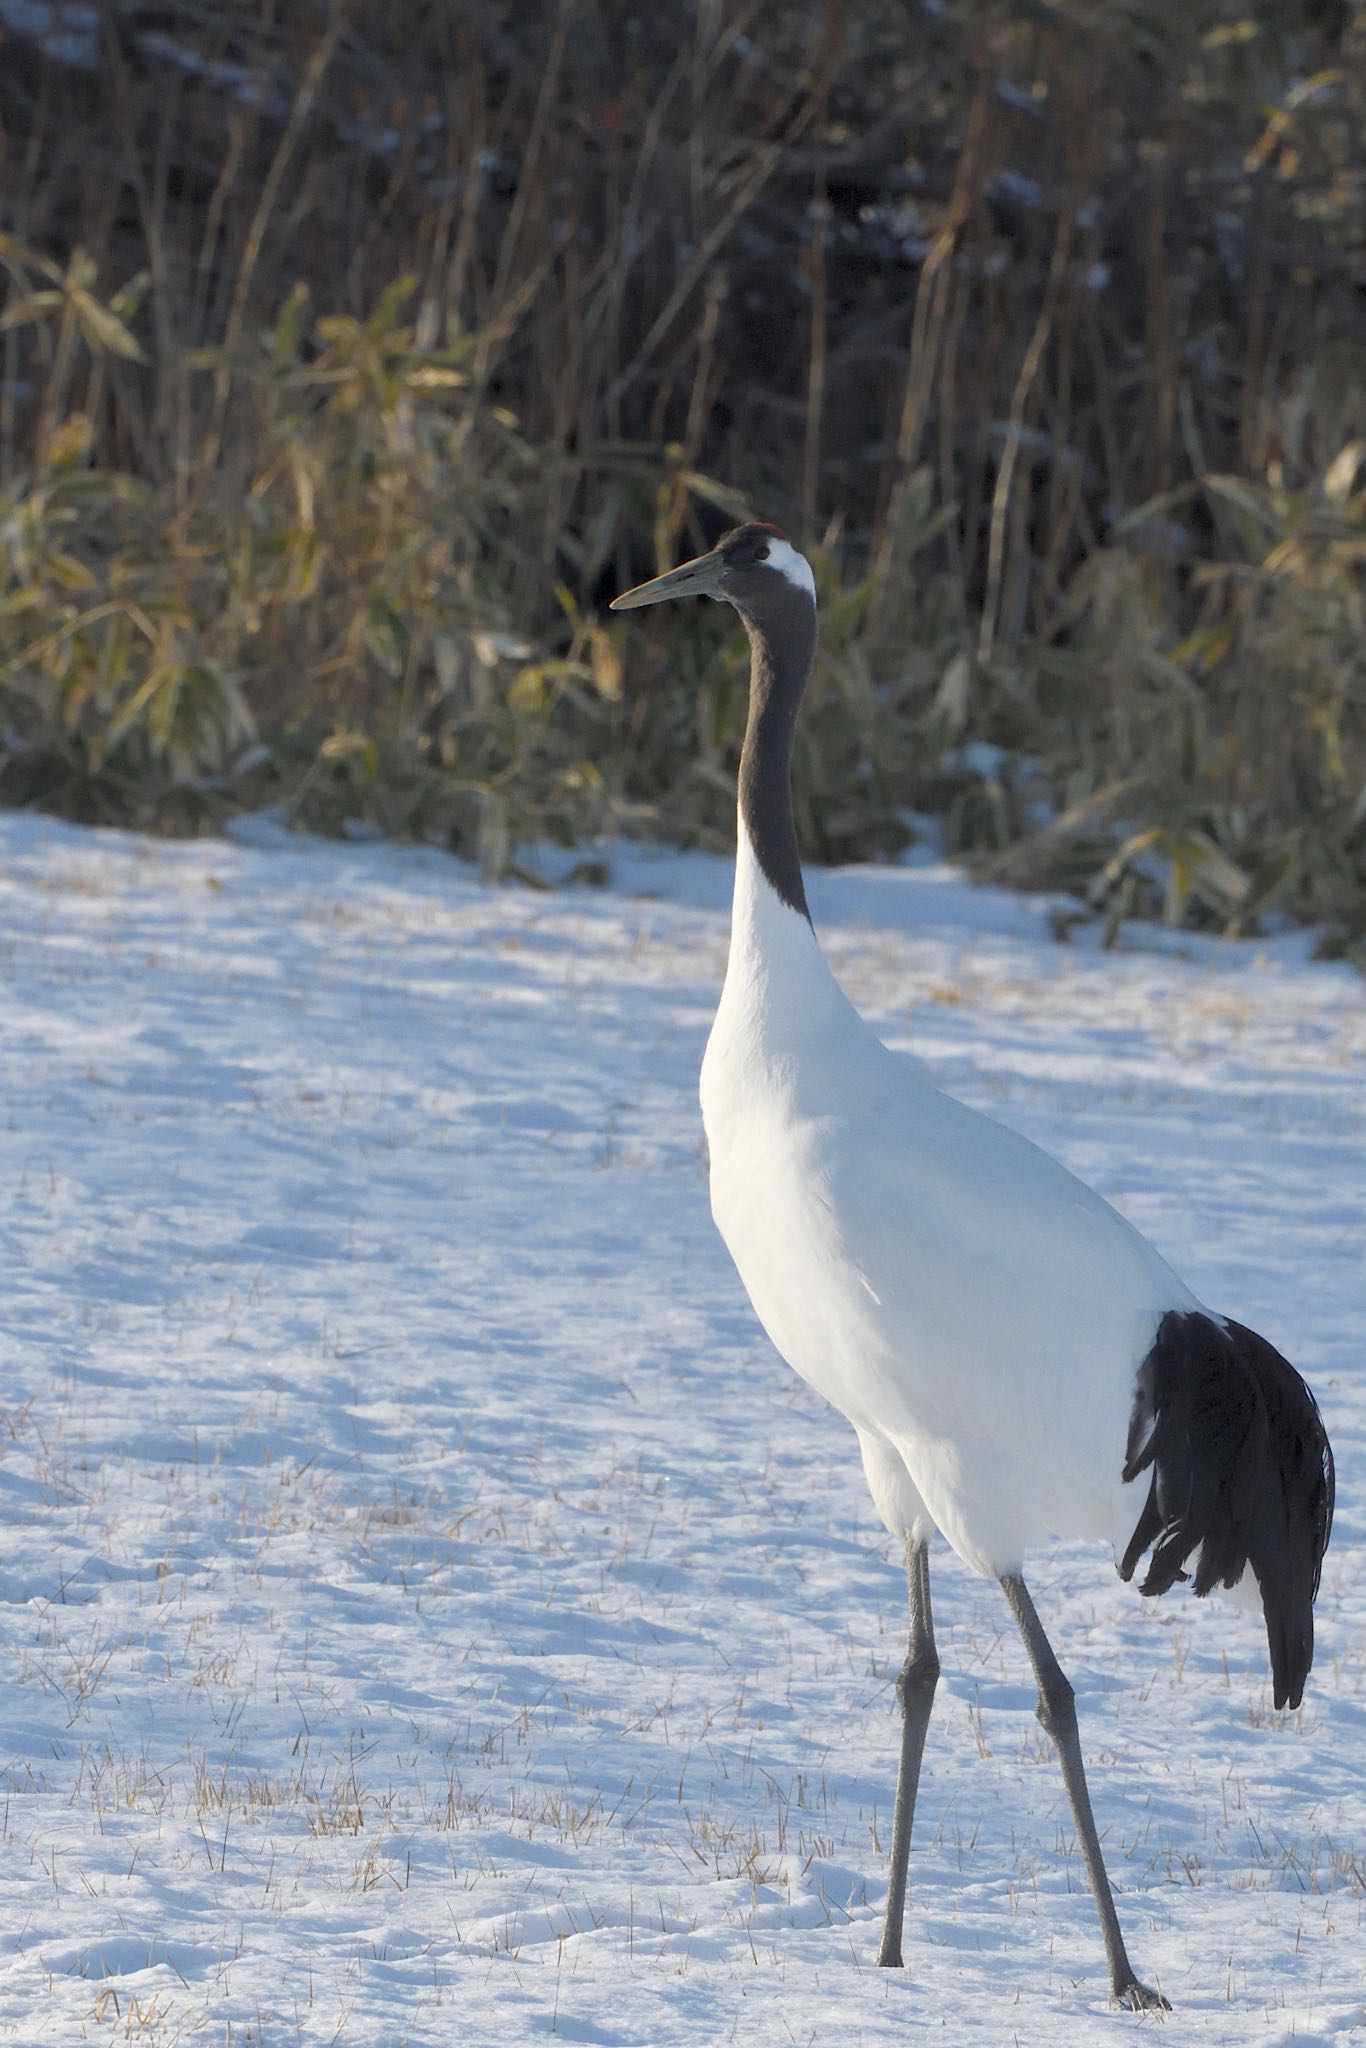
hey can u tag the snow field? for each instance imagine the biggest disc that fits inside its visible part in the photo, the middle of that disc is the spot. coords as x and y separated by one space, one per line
433 1614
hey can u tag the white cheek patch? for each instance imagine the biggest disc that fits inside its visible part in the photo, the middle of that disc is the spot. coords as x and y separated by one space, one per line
783 557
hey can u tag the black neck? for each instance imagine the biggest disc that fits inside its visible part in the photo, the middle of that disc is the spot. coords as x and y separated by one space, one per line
782 645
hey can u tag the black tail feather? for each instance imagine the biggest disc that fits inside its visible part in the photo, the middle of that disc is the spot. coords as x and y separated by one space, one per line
1242 1474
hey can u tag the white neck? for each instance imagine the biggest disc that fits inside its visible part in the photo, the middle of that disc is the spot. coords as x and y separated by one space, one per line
776 972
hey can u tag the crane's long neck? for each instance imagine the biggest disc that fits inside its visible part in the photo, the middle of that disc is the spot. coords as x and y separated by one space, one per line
782 646
780 1002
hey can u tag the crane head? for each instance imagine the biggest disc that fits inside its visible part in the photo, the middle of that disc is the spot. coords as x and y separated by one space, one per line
747 565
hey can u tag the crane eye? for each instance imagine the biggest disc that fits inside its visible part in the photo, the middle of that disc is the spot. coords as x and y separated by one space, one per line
761 554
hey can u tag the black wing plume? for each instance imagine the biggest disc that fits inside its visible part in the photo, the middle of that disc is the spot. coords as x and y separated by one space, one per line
1242 1475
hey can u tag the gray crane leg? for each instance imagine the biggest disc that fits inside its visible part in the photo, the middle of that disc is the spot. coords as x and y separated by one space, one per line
915 1689
1058 1715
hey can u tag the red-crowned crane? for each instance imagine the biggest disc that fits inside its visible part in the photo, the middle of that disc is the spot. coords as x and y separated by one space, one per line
1016 1360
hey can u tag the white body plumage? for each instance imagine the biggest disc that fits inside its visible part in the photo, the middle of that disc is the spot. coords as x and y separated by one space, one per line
976 1312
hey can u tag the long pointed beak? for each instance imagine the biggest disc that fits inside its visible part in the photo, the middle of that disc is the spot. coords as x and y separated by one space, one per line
698 578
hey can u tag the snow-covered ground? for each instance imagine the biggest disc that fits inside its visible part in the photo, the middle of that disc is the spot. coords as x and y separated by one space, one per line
431 1613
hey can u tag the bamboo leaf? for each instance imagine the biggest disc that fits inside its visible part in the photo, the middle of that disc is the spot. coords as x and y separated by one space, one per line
35 306
103 330
607 672
71 443
284 337
1341 474
68 572
434 377
1246 499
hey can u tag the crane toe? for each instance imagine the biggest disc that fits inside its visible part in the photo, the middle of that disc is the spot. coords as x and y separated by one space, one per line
1136 1997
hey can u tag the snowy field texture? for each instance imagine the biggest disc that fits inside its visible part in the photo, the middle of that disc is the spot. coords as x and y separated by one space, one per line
431 1611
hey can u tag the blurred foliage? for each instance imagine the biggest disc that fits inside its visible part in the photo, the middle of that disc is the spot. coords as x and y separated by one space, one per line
351 360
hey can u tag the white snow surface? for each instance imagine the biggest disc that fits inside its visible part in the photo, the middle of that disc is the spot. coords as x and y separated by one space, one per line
432 1613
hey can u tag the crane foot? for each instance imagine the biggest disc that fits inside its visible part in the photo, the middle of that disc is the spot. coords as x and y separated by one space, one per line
1136 1997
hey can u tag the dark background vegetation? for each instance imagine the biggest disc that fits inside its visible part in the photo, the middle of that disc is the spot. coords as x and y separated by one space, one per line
354 355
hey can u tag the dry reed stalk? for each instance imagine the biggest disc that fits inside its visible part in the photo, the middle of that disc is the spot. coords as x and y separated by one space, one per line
816 355
274 179
1019 405
928 323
